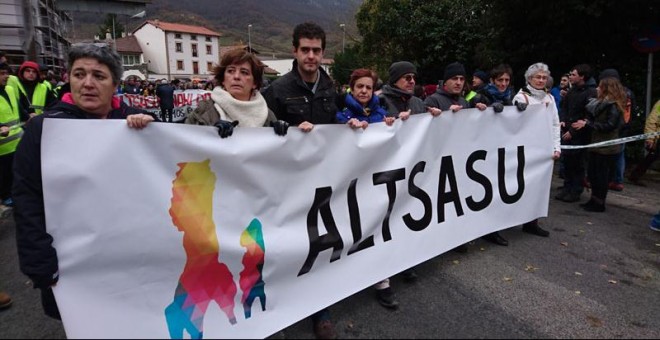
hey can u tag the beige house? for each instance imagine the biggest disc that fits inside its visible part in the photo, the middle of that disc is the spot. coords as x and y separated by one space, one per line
177 51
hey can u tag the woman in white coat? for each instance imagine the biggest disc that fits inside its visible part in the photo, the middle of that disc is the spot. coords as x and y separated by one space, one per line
535 92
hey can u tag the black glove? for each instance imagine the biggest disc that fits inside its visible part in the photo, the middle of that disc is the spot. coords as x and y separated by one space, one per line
44 281
225 128
280 127
498 107
521 106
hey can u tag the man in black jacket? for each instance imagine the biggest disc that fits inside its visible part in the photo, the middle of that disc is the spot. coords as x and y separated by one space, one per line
398 94
165 93
304 97
94 72
573 108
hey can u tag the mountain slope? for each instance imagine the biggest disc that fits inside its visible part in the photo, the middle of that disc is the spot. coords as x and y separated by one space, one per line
272 21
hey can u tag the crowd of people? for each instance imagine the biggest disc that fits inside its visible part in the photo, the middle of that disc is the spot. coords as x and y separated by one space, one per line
589 111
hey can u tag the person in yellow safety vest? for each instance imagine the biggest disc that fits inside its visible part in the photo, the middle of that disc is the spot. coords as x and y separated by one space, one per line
10 134
43 74
38 94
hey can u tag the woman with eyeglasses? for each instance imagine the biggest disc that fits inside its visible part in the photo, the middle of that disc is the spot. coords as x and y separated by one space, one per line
397 96
535 92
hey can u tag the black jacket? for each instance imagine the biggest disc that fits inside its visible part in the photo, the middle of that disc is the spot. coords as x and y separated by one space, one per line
294 102
573 108
443 100
37 257
395 101
165 93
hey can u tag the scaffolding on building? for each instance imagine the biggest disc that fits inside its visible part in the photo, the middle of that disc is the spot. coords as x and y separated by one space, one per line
34 30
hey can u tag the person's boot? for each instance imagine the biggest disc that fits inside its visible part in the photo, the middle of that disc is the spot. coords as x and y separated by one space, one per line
563 193
496 238
588 203
409 275
571 197
597 205
534 228
387 298
5 300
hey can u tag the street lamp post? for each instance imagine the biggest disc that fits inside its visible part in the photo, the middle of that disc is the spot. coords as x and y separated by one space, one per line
114 38
343 37
250 38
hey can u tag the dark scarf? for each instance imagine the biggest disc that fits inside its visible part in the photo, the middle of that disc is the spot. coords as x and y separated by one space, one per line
499 97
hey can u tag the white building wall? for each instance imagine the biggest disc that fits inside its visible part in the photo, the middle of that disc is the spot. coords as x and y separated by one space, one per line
159 50
152 43
186 54
283 66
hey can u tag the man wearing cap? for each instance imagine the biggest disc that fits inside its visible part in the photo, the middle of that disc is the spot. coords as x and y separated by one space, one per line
449 95
397 96
479 80
30 85
43 74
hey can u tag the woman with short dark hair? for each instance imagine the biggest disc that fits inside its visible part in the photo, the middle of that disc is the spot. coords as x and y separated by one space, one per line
236 101
94 73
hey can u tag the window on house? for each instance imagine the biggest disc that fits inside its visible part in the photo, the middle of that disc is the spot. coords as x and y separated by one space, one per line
195 67
209 66
208 39
177 36
194 50
179 47
129 60
208 49
193 37
179 64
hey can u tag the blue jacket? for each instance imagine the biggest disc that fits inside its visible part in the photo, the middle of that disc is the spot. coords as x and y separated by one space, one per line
355 110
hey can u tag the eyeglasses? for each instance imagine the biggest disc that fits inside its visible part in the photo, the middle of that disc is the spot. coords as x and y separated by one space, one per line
540 77
409 77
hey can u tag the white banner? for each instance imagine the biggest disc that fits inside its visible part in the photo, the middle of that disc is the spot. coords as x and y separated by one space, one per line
174 232
184 103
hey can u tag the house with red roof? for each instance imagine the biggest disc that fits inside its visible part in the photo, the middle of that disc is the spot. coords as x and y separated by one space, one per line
178 51
131 56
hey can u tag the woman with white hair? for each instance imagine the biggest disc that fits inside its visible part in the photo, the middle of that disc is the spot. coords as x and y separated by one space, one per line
535 92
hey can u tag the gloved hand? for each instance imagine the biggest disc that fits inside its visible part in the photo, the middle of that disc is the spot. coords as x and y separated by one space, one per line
498 107
521 106
225 128
280 127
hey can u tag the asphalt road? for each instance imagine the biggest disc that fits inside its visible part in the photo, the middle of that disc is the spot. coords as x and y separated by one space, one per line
596 276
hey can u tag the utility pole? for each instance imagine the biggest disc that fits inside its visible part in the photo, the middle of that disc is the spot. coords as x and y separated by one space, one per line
249 38
343 38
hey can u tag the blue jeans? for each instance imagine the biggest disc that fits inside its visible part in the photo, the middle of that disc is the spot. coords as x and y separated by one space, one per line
620 166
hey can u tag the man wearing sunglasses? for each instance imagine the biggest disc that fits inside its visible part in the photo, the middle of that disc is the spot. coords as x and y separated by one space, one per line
397 96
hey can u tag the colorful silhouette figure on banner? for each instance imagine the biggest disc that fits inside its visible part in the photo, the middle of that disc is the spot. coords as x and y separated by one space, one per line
204 278
251 280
